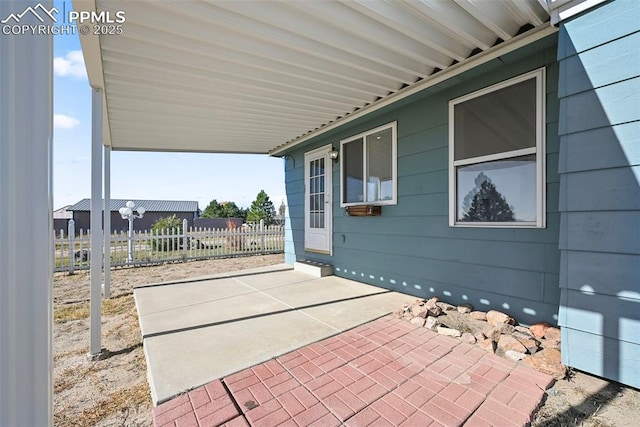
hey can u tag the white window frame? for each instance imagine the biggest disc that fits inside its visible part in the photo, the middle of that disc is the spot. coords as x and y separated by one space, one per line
394 162
539 150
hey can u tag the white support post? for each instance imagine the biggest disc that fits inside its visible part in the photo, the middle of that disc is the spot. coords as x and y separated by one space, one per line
26 224
95 347
107 222
185 224
71 227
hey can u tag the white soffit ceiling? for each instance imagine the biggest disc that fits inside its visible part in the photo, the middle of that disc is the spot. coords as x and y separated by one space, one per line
249 76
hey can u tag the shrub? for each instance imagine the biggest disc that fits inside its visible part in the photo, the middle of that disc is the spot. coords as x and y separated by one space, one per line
171 225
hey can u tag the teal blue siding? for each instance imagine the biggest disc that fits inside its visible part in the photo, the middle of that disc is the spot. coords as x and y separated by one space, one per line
598 27
599 166
410 247
590 150
622 357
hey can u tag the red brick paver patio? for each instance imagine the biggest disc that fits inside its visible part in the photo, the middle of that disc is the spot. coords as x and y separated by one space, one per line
384 373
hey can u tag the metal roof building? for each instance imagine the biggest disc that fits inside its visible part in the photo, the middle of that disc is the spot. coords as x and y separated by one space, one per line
154 210
149 205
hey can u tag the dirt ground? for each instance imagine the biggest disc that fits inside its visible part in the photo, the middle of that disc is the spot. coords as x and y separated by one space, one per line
114 391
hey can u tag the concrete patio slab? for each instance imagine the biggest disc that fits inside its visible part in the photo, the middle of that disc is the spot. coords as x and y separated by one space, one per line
198 330
244 305
348 313
275 279
159 299
333 288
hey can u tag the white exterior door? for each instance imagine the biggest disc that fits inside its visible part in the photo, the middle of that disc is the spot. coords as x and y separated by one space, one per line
317 201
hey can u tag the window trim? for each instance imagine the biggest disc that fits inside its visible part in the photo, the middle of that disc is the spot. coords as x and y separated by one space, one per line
394 162
539 150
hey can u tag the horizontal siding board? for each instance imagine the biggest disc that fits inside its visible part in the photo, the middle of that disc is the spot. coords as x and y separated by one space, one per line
609 147
599 314
417 116
602 356
613 231
422 183
295 189
427 140
552 107
601 66
606 189
553 177
603 107
553 68
551 289
425 161
515 255
552 197
603 273
526 311
423 204
516 283
437 227
553 139
619 18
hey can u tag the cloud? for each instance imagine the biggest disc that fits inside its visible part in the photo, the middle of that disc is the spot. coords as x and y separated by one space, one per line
60 121
70 65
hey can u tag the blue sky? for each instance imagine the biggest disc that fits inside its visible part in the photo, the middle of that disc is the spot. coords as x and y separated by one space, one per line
143 175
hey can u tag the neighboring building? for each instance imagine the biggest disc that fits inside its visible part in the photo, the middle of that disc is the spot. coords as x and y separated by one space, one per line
155 209
61 218
511 186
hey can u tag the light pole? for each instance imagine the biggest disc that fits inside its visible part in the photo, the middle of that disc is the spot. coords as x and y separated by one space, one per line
129 214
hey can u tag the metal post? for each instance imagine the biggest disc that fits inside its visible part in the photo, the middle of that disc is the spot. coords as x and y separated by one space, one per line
71 227
95 347
106 291
26 223
130 240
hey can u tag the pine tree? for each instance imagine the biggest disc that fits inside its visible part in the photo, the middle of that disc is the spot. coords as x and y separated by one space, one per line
488 205
262 208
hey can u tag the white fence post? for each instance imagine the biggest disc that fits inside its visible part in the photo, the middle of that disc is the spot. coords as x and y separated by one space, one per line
185 224
71 227
262 233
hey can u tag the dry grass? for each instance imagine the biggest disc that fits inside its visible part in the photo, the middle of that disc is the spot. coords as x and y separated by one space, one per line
80 310
112 391
68 312
69 377
585 401
119 403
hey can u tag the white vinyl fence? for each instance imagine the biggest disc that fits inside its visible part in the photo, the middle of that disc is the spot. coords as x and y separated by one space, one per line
170 245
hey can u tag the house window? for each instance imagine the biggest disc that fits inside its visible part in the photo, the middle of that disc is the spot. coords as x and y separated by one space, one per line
368 167
496 155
